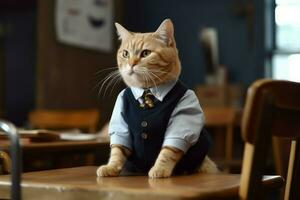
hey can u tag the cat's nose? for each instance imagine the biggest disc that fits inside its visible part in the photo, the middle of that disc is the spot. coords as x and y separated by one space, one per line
133 62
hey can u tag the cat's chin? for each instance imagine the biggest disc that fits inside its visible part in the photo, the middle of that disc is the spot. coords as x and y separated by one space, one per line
130 81
137 83
140 84
136 80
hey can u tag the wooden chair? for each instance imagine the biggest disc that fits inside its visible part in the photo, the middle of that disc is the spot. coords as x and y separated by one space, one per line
85 119
272 109
65 119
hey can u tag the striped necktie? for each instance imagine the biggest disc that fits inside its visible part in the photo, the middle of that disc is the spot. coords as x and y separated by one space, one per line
147 100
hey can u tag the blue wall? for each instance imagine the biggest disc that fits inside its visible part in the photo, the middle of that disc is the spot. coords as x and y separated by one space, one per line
244 60
19 64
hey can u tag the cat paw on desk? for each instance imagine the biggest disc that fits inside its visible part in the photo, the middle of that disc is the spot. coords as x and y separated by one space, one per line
108 170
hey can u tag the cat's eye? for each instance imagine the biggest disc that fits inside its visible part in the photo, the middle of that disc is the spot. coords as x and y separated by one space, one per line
125 54
145 53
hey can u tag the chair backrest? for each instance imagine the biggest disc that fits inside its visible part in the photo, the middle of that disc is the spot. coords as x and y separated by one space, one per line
65 119
272 109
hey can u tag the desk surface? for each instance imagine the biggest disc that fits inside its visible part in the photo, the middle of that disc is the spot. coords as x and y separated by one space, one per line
82 183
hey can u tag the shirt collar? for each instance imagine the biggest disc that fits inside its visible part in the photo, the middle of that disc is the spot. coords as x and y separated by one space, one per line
159 92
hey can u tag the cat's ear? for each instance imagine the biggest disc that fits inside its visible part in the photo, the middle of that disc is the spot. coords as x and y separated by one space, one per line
165 32
122 32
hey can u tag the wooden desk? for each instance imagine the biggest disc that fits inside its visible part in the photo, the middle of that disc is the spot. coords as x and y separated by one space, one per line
82 183
61 154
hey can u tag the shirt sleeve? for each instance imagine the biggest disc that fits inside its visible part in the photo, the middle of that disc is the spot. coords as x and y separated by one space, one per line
185 124
118 128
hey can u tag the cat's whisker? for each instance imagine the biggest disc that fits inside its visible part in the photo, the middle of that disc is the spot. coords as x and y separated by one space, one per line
103 70
111 82
99 74
102 83
149 76
147 80
159 71
144 72
98 84
155 75
107 78
152 73
170 75
153 80
119 78
153 70
140 70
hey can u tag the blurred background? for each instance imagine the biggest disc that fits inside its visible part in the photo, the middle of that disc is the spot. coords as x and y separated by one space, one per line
55 54
250 39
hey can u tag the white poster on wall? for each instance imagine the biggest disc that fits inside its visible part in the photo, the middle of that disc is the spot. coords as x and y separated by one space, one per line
85 23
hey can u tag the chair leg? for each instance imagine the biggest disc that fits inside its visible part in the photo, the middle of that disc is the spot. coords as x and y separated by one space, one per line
292 181
246 169
253 161
228 146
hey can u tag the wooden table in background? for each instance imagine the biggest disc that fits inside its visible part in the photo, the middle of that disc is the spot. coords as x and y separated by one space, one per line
223 120
82 183
61 154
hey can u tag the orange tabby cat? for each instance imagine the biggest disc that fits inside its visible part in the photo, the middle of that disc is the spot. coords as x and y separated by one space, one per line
154 54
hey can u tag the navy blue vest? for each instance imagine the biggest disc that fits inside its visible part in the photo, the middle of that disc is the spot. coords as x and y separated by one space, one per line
147 129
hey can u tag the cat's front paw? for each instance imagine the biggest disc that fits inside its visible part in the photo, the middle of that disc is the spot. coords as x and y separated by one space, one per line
108 170
159 172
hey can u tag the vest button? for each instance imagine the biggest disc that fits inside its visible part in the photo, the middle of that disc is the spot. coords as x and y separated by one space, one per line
144 124
144 136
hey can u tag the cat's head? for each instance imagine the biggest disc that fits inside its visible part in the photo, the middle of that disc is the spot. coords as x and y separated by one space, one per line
148 59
